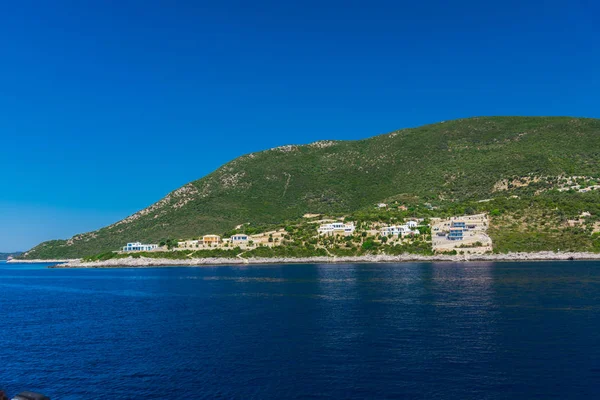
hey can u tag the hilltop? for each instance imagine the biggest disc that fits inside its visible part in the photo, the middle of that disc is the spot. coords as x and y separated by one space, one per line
448 164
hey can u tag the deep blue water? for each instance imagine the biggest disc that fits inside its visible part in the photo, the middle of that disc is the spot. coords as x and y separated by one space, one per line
431 331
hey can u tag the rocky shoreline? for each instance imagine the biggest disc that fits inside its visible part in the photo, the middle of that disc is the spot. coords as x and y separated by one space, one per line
196 262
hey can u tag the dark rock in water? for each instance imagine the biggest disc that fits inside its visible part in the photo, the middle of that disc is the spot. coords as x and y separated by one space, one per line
571 258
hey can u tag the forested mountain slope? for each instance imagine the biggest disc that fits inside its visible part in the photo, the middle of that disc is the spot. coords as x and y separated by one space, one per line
452 161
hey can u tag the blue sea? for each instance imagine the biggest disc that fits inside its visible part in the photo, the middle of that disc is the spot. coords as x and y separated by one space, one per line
385 331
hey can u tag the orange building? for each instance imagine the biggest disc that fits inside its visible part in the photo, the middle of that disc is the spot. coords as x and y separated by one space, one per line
211 239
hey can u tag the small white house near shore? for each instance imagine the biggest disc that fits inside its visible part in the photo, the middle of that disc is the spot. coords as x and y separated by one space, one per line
137 246
336 228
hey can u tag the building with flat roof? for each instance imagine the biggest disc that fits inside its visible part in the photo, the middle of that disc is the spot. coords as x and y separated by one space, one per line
336 228
211 239
458 224
137 246
400 230
455 234
188 243
239 239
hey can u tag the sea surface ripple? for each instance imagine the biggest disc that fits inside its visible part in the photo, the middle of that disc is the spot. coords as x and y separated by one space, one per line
413 331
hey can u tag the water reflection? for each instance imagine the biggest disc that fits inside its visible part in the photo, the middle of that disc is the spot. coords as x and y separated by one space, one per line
462 316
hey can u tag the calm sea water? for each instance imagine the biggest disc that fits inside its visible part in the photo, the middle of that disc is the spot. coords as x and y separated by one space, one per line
433 331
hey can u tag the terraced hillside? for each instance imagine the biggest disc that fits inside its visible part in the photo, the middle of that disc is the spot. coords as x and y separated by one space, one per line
452 161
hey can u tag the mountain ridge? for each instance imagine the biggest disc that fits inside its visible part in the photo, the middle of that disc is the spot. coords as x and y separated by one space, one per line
450 161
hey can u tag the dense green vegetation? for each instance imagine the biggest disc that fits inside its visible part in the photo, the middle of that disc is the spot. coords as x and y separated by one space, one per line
548 221
440 169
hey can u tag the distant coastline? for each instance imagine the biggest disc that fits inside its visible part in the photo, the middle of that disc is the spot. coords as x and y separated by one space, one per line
196 262
7 256
63 260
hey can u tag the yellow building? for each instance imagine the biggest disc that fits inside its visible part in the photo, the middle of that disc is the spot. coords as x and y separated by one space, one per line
211 239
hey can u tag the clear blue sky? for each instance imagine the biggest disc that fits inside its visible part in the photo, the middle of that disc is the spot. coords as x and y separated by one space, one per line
105 107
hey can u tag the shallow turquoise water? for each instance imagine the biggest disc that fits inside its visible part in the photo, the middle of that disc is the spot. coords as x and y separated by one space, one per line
464 331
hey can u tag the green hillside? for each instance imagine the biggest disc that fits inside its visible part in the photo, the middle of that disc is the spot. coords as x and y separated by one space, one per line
450 162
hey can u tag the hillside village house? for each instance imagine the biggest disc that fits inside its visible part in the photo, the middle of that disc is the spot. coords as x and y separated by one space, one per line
458 224
209 240
399 230
457 229
455 234
137 246
336 228
239 239
188 243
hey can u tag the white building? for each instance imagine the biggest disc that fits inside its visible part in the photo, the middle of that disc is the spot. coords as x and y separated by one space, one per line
137 246
412 224
400 230
336 228
239 239
188 243
381 205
